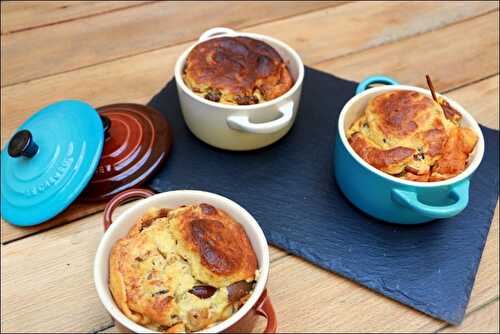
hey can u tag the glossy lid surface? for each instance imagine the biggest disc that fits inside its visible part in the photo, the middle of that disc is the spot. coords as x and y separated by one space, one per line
135 146
49 160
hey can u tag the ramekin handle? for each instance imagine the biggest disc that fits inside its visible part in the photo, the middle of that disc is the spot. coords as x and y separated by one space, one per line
458 192
215 31
375 79
243 123
119 199
264 307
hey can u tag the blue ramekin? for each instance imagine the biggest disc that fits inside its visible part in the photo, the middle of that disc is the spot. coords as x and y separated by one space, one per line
389 198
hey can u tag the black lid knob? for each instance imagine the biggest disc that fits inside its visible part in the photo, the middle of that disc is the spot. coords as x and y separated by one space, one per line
22 144
106 123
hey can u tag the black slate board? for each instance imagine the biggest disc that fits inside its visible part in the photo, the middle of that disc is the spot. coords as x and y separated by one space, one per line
290 189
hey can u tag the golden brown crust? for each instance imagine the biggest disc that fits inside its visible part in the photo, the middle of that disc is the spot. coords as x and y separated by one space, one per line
153 270
236 70
449 112
218 249
392 160
461 142
407 134
401 113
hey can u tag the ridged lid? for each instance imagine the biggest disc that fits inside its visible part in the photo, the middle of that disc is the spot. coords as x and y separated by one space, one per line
49 161
137 142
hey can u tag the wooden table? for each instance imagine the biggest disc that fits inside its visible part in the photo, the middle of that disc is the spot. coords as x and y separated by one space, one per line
108 52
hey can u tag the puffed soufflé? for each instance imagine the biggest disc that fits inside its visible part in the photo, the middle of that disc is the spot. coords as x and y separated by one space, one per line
236 70
182 270
410 136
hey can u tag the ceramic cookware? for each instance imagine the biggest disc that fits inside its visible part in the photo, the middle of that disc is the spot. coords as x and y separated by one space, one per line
235 127
68 146
389 198
258 304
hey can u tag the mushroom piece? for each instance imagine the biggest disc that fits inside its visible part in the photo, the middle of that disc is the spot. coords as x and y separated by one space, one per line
238 290
235 291
203 291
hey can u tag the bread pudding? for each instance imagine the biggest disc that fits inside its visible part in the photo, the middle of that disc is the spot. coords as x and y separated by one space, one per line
236 70
409 135
182 270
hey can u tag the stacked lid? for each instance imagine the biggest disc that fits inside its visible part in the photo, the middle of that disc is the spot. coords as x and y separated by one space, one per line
68 148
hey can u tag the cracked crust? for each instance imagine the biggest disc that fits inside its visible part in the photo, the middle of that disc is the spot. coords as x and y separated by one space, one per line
217 248
153 270
408 135
236 70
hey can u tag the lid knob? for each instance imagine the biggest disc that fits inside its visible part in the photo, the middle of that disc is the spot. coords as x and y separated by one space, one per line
106 123
22 144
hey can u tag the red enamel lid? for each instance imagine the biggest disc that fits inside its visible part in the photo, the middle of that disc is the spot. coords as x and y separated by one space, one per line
137 142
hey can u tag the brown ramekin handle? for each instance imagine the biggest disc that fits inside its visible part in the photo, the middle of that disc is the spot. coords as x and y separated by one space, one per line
119 199
265 308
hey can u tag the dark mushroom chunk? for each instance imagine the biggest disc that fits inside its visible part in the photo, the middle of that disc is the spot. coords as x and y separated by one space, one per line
246 100
238 290
213 95
235 291
203 291
412 170
163 328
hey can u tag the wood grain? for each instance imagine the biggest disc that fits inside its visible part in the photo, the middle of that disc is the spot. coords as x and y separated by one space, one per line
22 15
127 29
75 211
481 99
452 61
330 32
64 47
140 78
484 320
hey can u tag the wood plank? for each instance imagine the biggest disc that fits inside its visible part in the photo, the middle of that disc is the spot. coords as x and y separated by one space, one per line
140 77
77 210
484 320
111 329
311 33
474 97
54 269
450 59
329 33
22 15
97 39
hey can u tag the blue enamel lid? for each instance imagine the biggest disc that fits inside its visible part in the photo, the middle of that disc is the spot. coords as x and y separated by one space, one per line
49 161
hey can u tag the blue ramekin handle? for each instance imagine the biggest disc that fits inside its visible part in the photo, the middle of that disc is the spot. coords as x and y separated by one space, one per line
458 192
375 79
